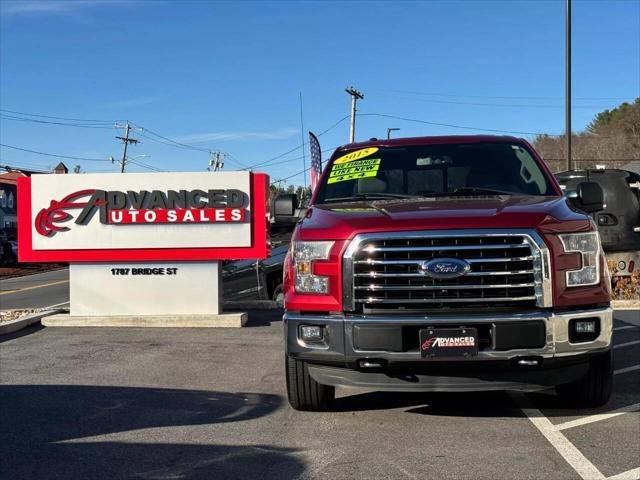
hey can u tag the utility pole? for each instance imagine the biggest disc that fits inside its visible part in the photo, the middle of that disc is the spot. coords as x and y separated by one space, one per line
216 163
355 96
389 130
126 141
567 127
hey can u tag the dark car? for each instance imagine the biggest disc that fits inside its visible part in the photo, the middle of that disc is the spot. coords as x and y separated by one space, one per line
250 280
619 222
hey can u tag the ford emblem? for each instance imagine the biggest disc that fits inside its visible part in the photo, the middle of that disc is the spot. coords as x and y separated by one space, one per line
444 268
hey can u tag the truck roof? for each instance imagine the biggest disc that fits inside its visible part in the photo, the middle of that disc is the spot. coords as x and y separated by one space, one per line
431 140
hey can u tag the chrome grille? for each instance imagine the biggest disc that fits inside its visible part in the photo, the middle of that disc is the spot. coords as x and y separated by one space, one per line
508 270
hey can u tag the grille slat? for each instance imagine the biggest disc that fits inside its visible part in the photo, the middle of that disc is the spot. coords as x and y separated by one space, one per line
443 248
417 262
441 287
374 274
444 300
387 272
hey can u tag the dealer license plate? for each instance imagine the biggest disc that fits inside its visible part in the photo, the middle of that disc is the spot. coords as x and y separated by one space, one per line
449 342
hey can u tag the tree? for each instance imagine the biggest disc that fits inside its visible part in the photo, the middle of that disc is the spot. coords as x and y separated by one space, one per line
622 119
611 139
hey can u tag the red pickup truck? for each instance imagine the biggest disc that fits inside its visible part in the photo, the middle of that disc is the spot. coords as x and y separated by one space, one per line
446 264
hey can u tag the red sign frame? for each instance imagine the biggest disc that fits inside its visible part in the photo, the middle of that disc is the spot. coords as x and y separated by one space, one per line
259 191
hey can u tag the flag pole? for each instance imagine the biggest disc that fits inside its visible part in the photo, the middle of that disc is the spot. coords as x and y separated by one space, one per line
304 158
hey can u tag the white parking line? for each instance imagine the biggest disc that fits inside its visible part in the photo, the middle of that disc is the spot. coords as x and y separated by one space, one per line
626 327
565 448
626 370
628 344
633 474
598 417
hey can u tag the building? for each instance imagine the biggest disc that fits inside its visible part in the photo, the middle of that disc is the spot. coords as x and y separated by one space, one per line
9 201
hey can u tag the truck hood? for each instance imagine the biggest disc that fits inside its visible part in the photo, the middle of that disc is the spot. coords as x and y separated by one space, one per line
341 221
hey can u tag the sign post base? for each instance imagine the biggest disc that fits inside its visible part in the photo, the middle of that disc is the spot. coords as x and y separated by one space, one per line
233 319
160 294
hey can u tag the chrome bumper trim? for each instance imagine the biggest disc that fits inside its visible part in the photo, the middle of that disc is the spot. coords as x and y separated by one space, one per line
338 346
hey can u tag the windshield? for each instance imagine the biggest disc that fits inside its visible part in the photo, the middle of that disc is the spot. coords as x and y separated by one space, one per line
431 170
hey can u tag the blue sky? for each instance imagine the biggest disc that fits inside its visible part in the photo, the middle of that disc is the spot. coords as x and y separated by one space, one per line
227 75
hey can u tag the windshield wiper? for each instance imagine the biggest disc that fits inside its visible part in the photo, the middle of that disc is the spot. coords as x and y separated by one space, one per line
368 196
480 191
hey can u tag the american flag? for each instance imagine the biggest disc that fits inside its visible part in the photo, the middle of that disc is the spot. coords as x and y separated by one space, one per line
316 160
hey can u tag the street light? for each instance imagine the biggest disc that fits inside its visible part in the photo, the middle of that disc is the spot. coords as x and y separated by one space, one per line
389 130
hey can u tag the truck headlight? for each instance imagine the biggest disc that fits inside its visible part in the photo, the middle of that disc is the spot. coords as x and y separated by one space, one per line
304 253
588 246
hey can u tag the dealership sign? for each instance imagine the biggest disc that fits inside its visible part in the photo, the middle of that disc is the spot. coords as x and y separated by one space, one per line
142 217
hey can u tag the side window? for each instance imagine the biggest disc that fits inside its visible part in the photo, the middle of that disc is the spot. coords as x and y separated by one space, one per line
10 200
3 199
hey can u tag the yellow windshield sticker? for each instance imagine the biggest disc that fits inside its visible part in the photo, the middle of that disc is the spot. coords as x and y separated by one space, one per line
354 170
355 155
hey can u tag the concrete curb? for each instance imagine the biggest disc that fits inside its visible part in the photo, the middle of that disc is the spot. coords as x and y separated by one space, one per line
626 304
252 305
20 323
229 320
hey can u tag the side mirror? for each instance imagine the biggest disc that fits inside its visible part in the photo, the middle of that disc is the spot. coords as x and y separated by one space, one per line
286 209
285 205
589 197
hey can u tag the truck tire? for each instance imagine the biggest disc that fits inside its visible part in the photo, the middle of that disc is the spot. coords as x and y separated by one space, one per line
303 391
594 389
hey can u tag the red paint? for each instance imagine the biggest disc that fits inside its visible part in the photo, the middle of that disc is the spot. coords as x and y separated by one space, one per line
176 215
548 215
259 186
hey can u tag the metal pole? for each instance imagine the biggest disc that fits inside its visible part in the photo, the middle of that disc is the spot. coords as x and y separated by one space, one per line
352 129
304 158
126 142
355 96
568 82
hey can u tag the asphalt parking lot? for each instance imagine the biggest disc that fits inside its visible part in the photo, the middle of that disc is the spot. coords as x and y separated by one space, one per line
101 403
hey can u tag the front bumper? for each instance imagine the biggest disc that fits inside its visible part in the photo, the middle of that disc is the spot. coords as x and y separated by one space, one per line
337 360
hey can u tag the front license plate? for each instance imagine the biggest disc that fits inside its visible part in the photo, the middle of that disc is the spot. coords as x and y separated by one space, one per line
449 342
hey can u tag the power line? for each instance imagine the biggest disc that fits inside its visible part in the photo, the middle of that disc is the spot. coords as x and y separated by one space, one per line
145 165
286 160
31 120
55 155
125 143
173 143
478 104
267 163
493 97
58 118
23 166
450 125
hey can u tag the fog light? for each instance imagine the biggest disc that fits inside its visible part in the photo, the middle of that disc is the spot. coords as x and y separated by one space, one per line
311 333
585 326
584 329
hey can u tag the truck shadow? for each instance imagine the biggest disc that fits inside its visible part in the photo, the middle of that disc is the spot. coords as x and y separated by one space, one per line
478 404
47 432
265 317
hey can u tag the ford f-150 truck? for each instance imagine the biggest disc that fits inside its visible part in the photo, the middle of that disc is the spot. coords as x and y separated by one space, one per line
446 264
